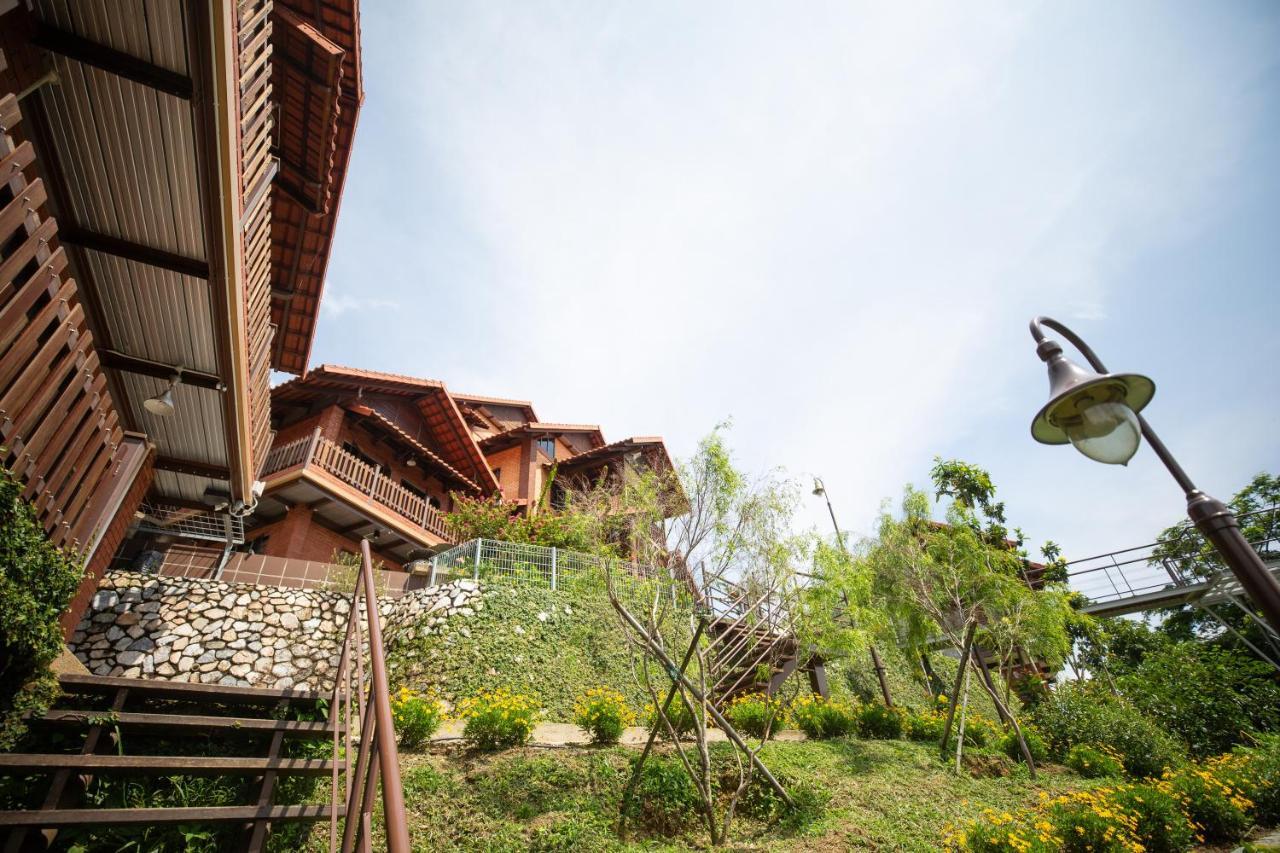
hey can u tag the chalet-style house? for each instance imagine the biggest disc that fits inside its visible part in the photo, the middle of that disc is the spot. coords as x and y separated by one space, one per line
359 454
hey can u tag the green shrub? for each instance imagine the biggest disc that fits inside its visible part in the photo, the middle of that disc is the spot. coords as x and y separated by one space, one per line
1002 832
979 730
1035 744
1085 713
573 833
1208 696
1212 799
880 722
678 714
1161 825
498 719
1260 779
603 713
1087 825
925 726
37 582
1094 762
754 714
417 717
665 800
821 718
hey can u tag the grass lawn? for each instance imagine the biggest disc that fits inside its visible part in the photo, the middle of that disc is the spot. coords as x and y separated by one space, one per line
877 795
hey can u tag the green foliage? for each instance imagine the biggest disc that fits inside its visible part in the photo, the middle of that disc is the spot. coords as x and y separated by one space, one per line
682 719
528 640
490 518
754 714
603 713
1085 713
417 717
1260 780
665 801
1084 827
1211 697
879 722
1094 762
1186 546
1215 805
1160 823
1035 744
925 726
498 719
37 582
821 718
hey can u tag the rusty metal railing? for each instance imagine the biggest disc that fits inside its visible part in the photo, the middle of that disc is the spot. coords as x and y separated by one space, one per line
367 690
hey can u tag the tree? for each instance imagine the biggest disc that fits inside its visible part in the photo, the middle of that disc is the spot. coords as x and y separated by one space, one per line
965 581
1184 549
734 540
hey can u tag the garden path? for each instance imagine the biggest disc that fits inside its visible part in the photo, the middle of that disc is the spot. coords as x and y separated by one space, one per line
567 734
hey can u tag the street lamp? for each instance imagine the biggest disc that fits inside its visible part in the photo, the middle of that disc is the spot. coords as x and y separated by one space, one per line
1099 413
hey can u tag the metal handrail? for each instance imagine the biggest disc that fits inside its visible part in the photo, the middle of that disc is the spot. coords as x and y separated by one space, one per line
376 729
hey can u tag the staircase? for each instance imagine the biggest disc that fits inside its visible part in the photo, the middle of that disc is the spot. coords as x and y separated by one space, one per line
253 739
132 727
753 647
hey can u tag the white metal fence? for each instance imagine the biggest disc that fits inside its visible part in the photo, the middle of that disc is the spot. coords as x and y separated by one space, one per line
555 569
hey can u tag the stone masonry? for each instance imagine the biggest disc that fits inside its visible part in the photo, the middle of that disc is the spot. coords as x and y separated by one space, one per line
197 630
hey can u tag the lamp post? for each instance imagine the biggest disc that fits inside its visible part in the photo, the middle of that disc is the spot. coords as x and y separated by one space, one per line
1099 413
820 489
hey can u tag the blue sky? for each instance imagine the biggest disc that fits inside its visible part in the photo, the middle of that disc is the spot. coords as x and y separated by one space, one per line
831 223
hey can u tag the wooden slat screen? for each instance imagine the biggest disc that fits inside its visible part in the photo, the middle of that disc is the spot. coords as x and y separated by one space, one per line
257 168
58 424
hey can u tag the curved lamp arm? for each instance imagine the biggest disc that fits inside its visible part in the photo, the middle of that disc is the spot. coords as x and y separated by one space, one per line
1179 474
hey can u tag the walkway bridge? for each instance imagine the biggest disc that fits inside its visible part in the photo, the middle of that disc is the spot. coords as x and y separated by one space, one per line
1137 580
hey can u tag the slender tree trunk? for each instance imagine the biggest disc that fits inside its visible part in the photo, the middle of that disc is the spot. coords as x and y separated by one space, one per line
936 685
955 692
884 683
1013 721
964 708
987 683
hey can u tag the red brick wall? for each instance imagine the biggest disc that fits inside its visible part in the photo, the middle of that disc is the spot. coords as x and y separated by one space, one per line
298 536
107 547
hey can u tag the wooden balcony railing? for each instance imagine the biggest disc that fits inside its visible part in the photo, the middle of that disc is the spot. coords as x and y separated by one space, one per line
319 452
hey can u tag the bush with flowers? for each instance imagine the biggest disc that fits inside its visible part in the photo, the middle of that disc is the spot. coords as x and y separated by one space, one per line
1212 797
1259 777
754 714
498 719
1095 762
1162 825
881 722
1034 740
924 725
821 718
603 713
417 716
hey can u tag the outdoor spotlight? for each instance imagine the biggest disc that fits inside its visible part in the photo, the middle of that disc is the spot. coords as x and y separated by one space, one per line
162 404
1096 412
412 462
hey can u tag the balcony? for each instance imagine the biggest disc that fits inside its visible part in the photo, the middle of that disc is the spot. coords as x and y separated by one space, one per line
326 465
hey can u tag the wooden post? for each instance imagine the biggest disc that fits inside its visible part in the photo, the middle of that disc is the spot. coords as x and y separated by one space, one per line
884 682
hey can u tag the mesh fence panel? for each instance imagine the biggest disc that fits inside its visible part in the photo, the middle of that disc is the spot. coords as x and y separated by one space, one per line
558 570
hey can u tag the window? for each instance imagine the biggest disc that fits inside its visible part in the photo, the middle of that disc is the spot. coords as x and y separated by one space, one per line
366 458
548 447
497 474
414 490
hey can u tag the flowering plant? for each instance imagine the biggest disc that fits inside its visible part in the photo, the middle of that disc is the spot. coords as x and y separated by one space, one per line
1095 762
821 718
417 716
498 719
754 714
603 713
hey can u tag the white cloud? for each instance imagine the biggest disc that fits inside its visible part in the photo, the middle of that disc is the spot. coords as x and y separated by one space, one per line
337 304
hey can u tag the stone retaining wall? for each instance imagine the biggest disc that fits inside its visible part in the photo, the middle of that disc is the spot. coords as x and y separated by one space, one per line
191 629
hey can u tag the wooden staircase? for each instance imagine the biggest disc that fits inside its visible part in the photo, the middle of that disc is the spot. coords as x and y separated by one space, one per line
132 727
129 727
753 648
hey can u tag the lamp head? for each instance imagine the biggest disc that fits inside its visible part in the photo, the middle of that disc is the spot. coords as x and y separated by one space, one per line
1095 412
818 488
162 404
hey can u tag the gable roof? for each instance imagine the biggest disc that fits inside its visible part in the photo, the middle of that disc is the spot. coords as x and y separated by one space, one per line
526 406
457 447
538 428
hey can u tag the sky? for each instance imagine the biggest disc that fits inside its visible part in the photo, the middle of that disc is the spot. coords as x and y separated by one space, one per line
830 223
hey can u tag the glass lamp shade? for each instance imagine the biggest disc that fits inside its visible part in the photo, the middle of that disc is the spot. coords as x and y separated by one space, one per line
1105 431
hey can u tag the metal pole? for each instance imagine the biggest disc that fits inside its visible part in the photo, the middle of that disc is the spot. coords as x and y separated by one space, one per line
875 654
479 548
392 792
553 569
1210 515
